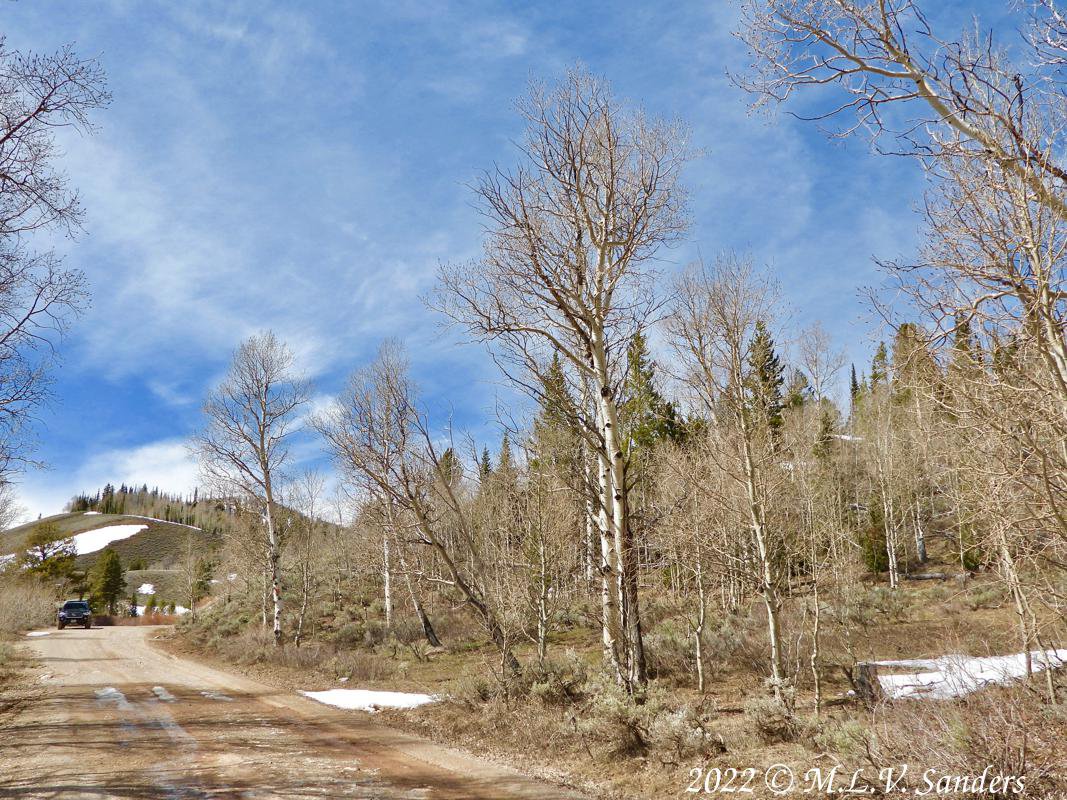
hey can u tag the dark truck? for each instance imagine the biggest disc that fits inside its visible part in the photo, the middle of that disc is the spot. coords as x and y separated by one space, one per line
75 612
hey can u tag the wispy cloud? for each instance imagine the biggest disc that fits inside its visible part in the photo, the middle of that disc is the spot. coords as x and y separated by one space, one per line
304 168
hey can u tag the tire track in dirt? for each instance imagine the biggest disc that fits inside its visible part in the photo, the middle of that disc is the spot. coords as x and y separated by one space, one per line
121 719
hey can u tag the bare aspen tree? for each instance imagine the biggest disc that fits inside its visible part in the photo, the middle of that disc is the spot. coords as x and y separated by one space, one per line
416 601
819 359
39 94
243 449
714 318
306 501
963 96
566 270
988 123
990 131
382 441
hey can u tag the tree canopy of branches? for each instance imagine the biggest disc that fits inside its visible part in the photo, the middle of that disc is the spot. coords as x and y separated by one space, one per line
244 448
573 232
39 94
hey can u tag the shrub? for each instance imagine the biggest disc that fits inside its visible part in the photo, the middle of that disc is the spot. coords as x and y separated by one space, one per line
617 720
686 734
773 716
473 690
669 653
359 665
989 596
846 737
562 681
25 605
873 550
349 635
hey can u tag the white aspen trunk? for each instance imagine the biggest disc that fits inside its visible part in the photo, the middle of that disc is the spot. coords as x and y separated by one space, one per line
629 608
420 612
609 598
698 629
542 602
274 557
768 589
1011 578
890 539
816 673
305 591
387 581
920 534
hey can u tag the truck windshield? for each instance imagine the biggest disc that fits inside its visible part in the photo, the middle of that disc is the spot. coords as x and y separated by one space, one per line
75 606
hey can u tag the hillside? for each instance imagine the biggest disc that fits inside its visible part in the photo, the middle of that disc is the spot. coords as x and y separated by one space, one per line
159 544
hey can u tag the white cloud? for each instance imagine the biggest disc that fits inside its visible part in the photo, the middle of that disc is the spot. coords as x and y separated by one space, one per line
166 464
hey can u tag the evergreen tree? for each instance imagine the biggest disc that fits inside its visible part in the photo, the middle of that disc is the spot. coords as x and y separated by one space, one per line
824 439
913 365
854 391
485 466
106 580
48 555
880 366
799 390
554 442
646 416
450 468
965 350
504 459
765 380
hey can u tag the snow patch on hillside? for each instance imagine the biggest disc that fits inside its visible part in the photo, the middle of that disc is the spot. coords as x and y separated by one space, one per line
146 588
957 675
91 541
7 558
367 700
87 513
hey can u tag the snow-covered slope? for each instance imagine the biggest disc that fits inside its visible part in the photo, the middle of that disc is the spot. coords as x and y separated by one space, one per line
99 538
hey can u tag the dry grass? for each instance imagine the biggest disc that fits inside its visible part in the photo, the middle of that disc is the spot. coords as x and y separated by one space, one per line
25 605
568 720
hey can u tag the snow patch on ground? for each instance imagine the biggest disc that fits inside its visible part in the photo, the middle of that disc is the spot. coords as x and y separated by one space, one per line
367 700
91 541
146 588
957 675
162 693
39 633
88 513
5 559
217 696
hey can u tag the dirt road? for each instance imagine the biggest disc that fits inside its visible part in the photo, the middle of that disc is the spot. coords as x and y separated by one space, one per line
115 717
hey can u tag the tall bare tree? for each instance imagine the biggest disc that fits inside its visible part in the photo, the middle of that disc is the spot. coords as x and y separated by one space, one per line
711 328
381 439
573 231
244 448
39 94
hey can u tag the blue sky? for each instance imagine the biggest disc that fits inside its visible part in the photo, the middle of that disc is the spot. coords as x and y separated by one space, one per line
304 167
